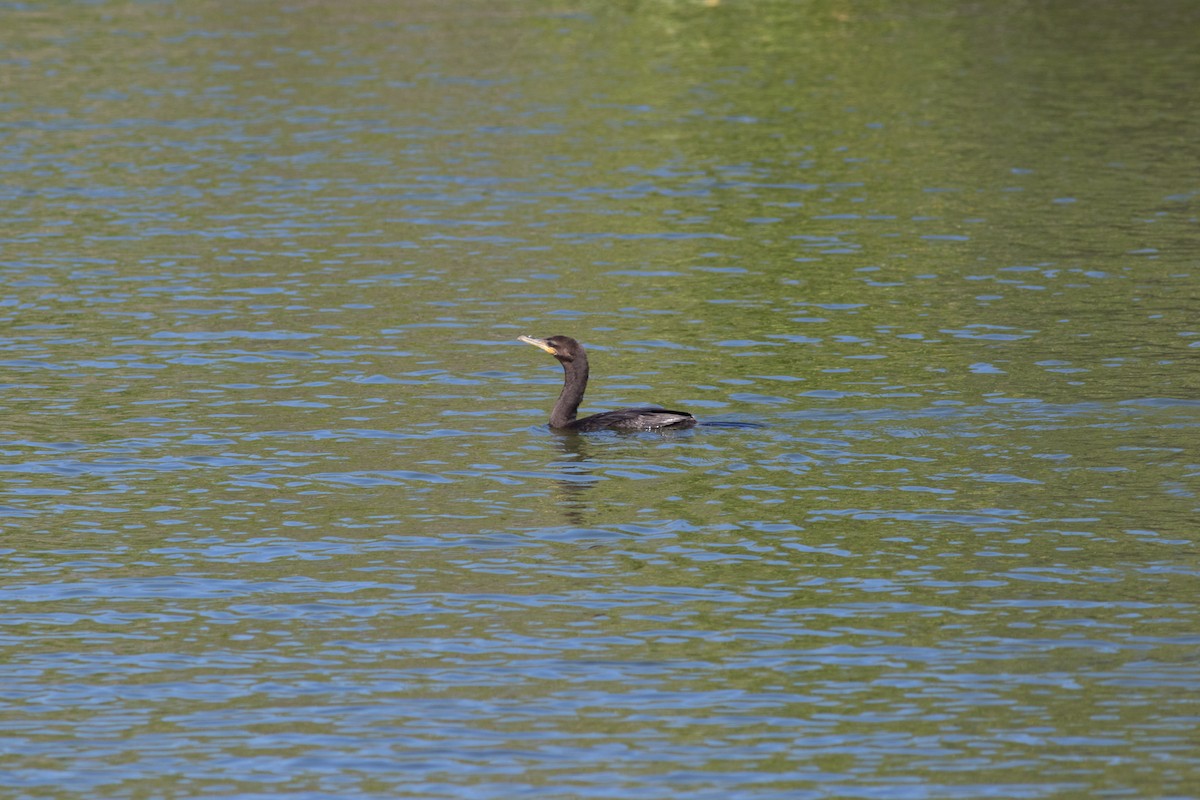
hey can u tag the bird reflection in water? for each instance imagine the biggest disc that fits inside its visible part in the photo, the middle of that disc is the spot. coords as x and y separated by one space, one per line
577 479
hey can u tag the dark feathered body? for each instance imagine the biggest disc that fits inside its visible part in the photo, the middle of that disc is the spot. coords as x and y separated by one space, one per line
575 378
633 419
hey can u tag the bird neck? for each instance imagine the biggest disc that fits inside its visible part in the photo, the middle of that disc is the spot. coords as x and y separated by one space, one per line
575 379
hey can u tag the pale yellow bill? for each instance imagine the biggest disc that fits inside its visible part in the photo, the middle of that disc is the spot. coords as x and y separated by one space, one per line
536 343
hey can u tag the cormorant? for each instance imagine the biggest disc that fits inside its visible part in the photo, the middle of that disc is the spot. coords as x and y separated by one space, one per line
575 377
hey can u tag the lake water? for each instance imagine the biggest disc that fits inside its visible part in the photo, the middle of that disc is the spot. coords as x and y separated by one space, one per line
281 515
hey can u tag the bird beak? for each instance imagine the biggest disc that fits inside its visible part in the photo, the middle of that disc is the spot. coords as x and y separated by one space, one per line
537 343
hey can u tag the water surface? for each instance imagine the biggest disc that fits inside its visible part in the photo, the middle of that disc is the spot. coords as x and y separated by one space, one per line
281 516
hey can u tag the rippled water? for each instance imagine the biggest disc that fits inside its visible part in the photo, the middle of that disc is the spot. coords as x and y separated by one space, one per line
280 513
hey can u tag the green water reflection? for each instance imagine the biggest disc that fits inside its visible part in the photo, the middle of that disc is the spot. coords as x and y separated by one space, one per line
280 512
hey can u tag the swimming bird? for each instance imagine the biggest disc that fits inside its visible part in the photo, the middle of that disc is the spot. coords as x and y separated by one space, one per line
571 355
